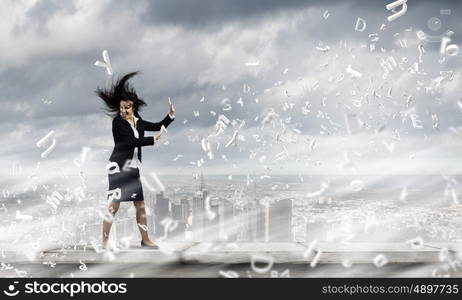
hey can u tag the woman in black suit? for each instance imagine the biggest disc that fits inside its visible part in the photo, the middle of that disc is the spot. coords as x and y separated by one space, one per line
128 129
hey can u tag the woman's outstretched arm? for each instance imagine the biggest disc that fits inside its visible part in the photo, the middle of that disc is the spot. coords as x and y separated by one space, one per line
124 138
149 126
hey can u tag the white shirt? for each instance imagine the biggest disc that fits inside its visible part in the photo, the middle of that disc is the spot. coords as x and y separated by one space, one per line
135 163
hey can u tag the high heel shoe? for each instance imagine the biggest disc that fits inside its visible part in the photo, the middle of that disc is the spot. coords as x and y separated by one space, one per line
143 245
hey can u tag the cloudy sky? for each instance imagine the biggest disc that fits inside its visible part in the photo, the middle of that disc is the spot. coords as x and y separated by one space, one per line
300 90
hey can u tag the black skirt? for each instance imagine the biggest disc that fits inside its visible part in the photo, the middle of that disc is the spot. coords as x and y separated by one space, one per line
129 182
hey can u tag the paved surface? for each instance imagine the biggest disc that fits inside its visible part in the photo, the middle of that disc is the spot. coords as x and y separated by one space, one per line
243 259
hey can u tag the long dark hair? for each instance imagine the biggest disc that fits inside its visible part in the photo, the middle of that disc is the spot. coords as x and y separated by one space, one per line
120 90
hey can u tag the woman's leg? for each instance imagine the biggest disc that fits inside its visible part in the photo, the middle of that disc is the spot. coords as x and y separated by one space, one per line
142 220
112 209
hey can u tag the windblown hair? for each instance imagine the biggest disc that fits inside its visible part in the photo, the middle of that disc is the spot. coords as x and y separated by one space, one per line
120 90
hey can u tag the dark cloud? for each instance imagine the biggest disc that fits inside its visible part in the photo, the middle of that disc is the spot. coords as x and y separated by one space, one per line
202 13
205 12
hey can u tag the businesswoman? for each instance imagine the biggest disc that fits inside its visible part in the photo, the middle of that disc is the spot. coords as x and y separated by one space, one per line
128 128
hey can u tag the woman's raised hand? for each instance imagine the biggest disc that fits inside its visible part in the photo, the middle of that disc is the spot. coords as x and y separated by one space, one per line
171 107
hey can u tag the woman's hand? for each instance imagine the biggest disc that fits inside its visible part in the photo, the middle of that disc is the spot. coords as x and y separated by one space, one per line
157 137
171 108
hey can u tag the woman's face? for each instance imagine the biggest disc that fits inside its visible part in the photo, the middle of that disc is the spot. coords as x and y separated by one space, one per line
126 109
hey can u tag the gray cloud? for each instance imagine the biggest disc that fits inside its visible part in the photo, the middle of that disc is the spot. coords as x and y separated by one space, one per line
206 12
192 52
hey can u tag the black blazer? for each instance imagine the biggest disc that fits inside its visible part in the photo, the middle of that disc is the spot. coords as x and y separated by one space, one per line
125 141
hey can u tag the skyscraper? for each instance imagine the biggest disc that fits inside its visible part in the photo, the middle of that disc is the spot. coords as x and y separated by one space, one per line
253 218
259 216
198 211
225 217
279 221
161 211
186 209
178 217
150 203
260 222
177 211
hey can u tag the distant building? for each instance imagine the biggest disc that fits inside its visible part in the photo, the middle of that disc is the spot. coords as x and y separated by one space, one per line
252 219
279 221
260 222
161 211
259 216
226 220
198 207
198 211
180 218
177 211
150 203
186 209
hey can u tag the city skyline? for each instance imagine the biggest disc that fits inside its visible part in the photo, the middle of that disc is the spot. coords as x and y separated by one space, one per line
400 212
